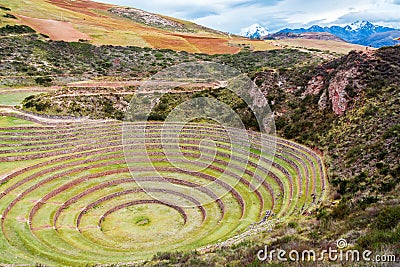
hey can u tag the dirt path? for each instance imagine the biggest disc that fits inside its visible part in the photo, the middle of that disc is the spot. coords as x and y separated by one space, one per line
105 84
4 91
149 83
145 84
45 120
93 94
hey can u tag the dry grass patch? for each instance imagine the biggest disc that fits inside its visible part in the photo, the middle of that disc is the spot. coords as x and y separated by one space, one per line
333 46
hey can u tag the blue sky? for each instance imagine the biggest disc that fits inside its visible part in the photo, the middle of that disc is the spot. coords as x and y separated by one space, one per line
232 15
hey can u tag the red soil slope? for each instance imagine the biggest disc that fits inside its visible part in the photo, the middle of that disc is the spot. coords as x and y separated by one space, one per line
56 30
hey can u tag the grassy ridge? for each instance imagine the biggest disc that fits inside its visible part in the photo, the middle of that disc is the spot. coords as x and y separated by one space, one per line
61 62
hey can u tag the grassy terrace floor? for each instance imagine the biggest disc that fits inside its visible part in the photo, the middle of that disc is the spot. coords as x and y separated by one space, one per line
69 197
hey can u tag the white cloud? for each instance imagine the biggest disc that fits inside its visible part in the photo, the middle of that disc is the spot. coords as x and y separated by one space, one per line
232 15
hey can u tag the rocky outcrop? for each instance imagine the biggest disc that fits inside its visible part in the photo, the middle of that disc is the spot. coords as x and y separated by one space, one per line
337 89
323 101
338 83
315 85
147 18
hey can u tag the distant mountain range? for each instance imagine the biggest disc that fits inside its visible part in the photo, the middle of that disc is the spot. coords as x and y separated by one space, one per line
255 31
359 32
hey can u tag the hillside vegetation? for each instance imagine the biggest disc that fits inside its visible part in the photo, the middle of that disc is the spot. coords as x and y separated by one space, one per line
346 109
30 59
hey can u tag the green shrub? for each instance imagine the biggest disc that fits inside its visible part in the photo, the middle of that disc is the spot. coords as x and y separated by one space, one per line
378 238
341 211
45 81
15 29
388 218
5 8
393 131
10 16
354 151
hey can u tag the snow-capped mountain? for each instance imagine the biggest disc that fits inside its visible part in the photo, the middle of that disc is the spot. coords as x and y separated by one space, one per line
359 32
255 31
359 25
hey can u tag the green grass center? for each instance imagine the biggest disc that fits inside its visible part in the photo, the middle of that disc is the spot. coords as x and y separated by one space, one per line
142 221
